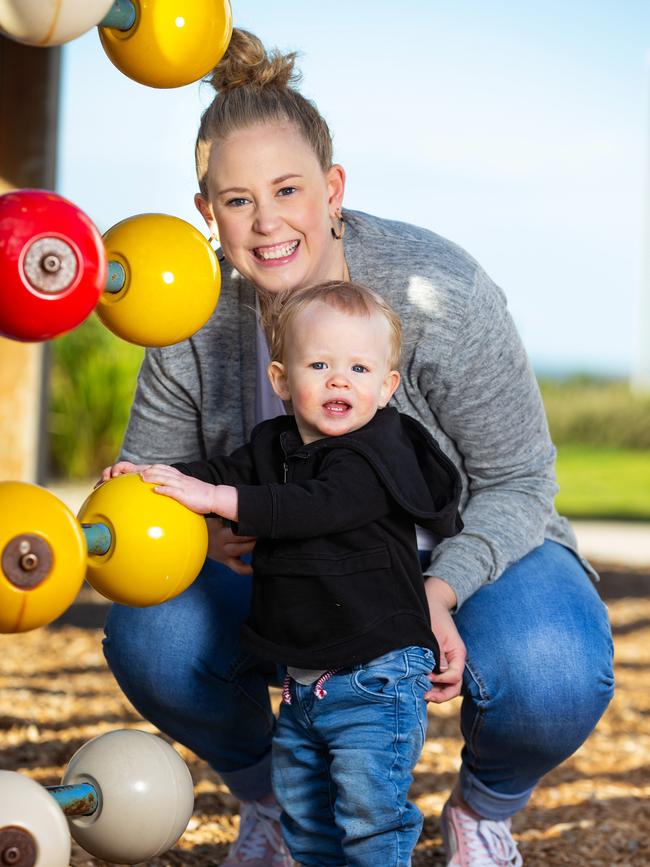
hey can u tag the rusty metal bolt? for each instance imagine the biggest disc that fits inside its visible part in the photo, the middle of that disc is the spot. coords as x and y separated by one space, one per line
17 847
51 263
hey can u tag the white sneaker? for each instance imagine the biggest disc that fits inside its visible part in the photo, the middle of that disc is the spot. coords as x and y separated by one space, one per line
471 842
260 842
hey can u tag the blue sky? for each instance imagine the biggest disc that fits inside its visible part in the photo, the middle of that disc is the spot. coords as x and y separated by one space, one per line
518 130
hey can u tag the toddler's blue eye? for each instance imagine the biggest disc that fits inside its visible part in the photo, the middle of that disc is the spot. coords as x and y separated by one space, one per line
286 191
359 368
318 365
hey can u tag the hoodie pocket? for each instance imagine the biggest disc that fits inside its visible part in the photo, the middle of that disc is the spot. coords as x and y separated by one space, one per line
311 602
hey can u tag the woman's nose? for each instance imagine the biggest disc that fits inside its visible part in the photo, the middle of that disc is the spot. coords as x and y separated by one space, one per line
267 218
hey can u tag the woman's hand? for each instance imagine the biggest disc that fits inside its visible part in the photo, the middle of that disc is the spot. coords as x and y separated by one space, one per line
448 683
226 548
119 469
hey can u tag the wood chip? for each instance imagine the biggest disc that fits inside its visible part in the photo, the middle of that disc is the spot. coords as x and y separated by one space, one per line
56 693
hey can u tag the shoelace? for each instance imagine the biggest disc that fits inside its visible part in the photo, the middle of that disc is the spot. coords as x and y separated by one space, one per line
489 842
258 831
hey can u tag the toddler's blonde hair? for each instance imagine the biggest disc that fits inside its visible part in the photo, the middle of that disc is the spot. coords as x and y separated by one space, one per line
347 296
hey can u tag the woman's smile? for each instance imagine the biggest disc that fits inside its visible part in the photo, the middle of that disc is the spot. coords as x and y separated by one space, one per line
276 254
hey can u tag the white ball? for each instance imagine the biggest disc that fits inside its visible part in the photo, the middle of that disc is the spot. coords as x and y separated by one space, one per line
27 807
50 22
146 796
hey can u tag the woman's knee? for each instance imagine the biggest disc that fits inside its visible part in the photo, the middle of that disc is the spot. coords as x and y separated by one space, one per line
539 673
159 649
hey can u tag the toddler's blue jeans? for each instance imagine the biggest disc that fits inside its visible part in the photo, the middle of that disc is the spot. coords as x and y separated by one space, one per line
342 765
537 680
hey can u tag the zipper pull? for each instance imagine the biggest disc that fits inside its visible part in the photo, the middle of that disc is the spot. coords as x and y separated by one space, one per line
285 466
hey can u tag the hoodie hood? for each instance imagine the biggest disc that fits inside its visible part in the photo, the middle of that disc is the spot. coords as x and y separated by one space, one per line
407 459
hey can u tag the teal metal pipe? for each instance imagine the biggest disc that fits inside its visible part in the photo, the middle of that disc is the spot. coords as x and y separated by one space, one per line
98 538
79 800
121 16
115 278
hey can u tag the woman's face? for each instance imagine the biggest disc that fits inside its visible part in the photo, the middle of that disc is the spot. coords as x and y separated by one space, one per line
272 207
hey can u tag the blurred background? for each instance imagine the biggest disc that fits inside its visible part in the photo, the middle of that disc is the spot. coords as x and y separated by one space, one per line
520 131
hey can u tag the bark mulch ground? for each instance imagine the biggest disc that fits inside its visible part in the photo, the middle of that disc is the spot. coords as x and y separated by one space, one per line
56 693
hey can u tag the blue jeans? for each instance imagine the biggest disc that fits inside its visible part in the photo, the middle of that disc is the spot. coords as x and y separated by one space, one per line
537 680
342 765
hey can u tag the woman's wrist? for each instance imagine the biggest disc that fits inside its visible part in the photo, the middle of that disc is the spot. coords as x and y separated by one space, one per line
438 590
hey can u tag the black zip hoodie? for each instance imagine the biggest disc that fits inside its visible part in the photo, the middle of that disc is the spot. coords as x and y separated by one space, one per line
337 580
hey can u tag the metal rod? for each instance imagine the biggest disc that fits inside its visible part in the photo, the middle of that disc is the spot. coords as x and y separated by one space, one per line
98 538
79 800
121 16
115 278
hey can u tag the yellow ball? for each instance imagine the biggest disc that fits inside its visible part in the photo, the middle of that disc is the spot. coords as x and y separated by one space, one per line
158 546
172 280
171 43
42 557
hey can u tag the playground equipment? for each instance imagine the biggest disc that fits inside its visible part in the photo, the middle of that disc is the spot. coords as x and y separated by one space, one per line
134 546
154 279
160 43
127 796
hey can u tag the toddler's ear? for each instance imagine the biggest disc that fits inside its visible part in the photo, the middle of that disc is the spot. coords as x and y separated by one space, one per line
278 377
389 387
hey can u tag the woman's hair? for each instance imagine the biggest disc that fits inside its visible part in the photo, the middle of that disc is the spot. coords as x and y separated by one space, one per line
254 87
352 298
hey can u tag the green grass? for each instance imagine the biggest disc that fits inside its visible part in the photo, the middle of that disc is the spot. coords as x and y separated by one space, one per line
603 482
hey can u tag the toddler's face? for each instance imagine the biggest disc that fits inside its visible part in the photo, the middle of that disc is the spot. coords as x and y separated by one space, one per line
336 370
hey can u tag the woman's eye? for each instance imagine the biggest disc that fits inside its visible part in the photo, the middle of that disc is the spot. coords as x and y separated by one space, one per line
236 203
318 365
286 191
359 368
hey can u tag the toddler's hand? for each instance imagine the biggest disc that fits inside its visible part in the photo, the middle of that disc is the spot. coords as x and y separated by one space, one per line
196 495
119 469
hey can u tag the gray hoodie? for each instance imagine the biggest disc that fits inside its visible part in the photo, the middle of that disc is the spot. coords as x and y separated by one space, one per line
465 377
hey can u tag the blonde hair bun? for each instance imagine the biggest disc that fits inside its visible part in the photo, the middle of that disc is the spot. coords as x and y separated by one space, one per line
247 63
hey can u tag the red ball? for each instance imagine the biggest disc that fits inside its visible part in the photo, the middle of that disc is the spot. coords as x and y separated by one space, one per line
52 265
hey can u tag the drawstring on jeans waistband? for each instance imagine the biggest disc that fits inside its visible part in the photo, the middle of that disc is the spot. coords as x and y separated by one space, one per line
318 690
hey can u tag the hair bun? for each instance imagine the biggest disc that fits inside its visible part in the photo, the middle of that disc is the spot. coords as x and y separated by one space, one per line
246 62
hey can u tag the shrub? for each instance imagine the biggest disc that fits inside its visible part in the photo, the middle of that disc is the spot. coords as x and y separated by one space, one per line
91 387
596 412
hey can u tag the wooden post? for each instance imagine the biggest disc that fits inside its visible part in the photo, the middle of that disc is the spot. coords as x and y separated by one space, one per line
29 89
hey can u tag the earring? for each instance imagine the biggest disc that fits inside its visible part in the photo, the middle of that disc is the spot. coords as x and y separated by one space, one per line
339 217
214 239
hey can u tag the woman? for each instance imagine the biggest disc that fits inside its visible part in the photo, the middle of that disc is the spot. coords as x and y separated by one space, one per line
524 635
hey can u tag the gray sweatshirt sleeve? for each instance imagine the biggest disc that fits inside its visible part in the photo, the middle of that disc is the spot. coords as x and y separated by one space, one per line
164 425
486 399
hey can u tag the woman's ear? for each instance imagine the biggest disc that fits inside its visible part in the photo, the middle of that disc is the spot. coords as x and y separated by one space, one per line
335 188
278 376
389 387
204 207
